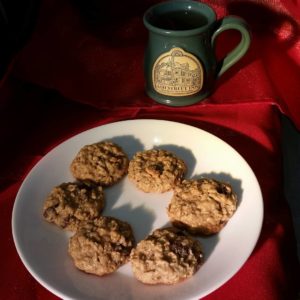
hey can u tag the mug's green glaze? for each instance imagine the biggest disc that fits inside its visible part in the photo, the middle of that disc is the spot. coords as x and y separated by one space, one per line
180 62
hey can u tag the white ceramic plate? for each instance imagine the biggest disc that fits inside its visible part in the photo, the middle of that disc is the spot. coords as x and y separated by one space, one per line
43 247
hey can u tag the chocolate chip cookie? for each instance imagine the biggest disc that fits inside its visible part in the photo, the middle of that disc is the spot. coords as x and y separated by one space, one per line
202 206
101 246
167 256
71 203
104 163
156 170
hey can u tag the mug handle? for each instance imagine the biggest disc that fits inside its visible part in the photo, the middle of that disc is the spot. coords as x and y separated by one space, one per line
236 23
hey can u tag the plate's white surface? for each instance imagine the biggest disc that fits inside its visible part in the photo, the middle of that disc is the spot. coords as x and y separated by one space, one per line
43 247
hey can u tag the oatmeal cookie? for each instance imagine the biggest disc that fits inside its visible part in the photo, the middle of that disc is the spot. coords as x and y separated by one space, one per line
202 206
104 163
101 246
71 203
156 170
167 256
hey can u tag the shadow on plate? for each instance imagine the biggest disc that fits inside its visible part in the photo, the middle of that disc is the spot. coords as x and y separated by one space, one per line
129 144
181 152
140 217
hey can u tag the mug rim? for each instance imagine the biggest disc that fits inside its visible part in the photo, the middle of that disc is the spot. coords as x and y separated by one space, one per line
211 17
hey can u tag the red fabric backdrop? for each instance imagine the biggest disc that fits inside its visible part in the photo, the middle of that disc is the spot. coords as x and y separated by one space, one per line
73 75
96 62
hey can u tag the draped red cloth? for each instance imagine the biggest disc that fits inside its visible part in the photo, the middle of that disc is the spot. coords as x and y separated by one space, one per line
73 75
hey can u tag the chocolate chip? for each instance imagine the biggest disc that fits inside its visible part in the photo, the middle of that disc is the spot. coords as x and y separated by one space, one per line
49 212
223 189
179 249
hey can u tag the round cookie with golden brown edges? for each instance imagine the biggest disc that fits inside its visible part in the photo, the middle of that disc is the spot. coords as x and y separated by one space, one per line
156 170
103 163
71 203
202 206
167 256
101 246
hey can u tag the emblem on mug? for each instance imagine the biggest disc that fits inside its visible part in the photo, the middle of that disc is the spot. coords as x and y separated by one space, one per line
177 73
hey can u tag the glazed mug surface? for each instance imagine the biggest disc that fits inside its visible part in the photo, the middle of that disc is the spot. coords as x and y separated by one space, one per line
180 62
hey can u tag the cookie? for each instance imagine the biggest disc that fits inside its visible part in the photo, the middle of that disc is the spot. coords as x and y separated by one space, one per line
104 163
71 203
167 256
101 246
156 170
202 206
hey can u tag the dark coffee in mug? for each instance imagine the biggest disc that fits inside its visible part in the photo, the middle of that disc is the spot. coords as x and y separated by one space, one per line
179 20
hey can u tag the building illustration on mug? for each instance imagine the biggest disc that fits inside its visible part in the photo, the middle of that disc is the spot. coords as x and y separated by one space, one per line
177 73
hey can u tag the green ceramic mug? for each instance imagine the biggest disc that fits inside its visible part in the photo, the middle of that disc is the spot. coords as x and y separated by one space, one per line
180 62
